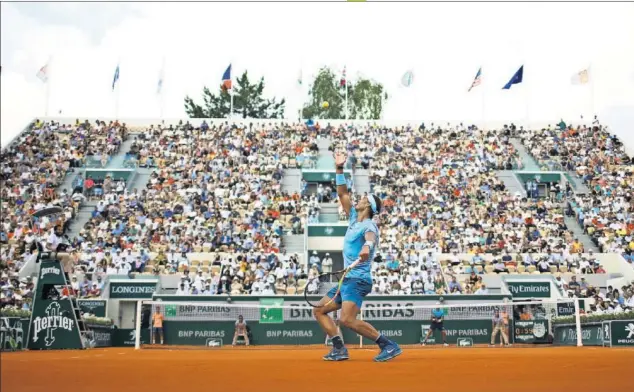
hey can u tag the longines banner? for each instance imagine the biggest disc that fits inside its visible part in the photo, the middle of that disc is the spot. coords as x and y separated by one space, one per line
96 307
132 289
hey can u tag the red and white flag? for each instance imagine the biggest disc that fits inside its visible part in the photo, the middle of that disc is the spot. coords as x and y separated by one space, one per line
43 73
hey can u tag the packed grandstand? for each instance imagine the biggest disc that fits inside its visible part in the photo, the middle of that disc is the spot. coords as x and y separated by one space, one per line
225 209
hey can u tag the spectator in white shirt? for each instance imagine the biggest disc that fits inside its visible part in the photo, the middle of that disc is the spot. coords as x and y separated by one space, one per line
327 264
182 289
429 286
482 290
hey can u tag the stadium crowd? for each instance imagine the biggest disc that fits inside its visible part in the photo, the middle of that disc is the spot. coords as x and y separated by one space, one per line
218 188
442 195
599 159
33 168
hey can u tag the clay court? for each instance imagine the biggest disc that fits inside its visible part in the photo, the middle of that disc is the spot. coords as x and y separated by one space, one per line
281 370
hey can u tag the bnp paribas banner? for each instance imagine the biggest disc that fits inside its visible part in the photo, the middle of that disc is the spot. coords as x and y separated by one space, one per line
132 289
217 334
268 310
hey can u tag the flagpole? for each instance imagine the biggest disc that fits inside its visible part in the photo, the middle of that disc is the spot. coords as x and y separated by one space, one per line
526 101
117 93
591 76
116 103
301 92
231 92
231 104
48 85
525 87
484 121
346 86
161 97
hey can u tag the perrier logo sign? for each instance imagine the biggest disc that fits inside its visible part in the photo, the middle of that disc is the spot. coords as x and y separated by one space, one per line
271 311
49 324
50 271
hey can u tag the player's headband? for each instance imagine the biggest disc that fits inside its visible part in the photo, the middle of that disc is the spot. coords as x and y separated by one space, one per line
372 200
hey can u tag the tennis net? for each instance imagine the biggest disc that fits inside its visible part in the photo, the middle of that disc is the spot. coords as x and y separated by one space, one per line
279 322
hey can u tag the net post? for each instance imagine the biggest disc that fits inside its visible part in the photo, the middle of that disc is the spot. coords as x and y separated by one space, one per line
361 336
578 322
137 326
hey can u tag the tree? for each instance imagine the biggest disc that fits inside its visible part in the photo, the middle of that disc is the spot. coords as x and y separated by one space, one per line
248 102
365 98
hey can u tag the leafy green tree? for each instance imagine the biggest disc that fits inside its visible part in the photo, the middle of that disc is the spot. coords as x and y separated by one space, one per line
248 102
365 98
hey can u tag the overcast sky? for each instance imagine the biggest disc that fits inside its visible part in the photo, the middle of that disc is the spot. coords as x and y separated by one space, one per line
443 44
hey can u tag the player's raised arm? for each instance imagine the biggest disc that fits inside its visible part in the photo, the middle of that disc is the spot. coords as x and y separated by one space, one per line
342 185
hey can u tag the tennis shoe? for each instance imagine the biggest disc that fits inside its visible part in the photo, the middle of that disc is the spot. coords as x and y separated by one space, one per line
388 352
337 355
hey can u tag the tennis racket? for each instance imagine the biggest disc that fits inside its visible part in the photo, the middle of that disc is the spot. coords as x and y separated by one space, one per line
321 284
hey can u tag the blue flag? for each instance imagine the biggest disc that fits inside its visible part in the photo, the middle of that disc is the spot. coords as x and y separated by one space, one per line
516 79
116 77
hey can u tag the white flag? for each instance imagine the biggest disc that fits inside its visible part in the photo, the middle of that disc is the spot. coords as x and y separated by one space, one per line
407 79
43 73
581 77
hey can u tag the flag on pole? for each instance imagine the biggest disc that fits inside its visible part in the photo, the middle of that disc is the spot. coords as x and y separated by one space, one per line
42 74
477 80
343 77
116 77
226 79
407 79
160 80
516 79
581 77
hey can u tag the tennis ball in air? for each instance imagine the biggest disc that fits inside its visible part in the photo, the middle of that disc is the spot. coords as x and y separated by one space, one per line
325 105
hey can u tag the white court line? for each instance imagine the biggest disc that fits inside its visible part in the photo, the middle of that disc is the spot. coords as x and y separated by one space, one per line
74 357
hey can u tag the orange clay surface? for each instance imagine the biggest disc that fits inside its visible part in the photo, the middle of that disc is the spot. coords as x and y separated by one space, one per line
302 370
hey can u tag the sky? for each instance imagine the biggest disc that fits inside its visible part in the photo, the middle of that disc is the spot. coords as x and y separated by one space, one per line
442 44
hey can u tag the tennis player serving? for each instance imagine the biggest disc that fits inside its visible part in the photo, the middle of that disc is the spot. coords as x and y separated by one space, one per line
360 243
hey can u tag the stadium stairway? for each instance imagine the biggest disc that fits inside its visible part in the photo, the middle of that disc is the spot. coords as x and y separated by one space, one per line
68 180
511 182
293 243
325 160
361 181
577 184
83 215
528 162
328 213
572 225
292 181
140 179
117 161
